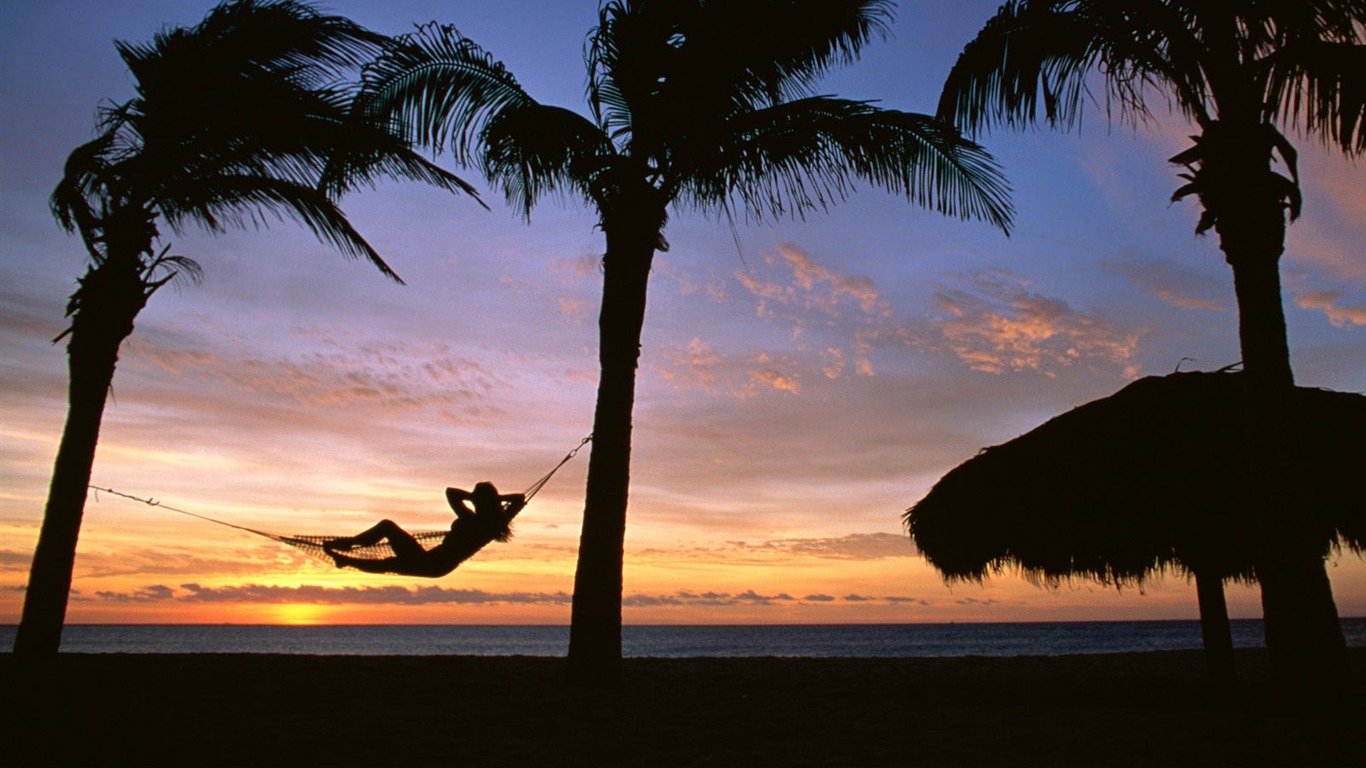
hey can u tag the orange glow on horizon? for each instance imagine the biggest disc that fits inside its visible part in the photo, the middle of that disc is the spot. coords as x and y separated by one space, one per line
299 614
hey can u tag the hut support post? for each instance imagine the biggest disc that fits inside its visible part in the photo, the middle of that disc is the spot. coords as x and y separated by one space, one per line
1215 628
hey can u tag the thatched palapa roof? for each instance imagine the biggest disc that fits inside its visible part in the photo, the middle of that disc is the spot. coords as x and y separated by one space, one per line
1150 478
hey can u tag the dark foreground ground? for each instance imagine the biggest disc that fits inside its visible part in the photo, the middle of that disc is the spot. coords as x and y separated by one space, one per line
1151 709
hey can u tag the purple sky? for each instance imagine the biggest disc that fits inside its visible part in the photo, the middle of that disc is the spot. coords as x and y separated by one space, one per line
799 388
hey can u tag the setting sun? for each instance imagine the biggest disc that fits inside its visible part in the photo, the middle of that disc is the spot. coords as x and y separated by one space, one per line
299 614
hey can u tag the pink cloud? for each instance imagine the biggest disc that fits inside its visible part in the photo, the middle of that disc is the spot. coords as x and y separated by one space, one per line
576 309
811 298
1176 285
1329 302
810 276
700 366
386 376
834 363
853 546
1001 327
575 269
696 365
773 379
1328 236
810 286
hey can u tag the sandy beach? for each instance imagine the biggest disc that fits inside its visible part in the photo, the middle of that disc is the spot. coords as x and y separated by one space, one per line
254 710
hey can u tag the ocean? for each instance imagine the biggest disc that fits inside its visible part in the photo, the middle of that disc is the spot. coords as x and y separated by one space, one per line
841 640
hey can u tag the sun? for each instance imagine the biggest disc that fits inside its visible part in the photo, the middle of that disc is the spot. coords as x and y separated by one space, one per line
299 614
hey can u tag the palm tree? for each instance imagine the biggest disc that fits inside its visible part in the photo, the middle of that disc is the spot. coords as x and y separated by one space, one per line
694 104
1244 73
236 120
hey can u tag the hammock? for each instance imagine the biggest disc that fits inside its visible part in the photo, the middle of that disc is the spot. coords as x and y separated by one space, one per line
312 545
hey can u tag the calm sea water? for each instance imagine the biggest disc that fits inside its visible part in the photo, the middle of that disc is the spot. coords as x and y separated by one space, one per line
672 641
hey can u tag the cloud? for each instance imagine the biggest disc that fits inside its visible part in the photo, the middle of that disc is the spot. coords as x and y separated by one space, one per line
651 601
854 546
14 560
1328 237
825 289
149 594
796 280
1178 286
398 595
748 597
833 363
574 270
996 326
391 595
133 557
992 322
1330 303
707 599
699 365
771 378
797 290
577 310
390 375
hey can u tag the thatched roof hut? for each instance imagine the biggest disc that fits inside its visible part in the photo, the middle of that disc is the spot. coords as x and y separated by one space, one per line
1150 478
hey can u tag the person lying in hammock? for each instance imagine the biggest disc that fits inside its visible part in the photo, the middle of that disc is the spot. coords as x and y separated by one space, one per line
490 520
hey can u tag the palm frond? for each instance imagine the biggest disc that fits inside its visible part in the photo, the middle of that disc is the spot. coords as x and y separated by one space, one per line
83 185
273 35
802 155
1320 87
532 149
1036 61
240 119
361 167
251 201
437 88
1023 61
362 152
220 118
165 267
656 67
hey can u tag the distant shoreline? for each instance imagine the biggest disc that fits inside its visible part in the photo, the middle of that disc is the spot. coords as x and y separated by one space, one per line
1154 708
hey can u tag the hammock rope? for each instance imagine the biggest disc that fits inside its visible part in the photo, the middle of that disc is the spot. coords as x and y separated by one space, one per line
312 544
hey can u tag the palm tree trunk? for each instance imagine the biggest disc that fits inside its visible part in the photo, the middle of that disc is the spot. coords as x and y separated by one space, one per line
1303 633
1215 628
110 297
595 627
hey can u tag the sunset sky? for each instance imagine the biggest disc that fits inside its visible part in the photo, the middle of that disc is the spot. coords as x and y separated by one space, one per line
802 383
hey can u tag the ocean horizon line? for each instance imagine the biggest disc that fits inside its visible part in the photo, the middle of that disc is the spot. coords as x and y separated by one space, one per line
546 625
672 640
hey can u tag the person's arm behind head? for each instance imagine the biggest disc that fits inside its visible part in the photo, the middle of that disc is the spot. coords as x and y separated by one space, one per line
456 497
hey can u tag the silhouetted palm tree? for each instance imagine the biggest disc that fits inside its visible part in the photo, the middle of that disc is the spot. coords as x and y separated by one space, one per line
695 104
1243 72
237 120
